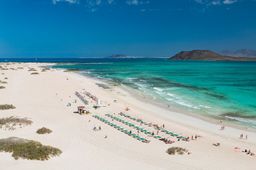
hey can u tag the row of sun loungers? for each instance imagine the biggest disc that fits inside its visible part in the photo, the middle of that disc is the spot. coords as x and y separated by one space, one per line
91 96
81 98
121 129
133 126
133 118
179 137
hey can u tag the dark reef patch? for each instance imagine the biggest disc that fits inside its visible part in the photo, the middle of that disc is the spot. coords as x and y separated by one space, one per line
160 82
217 96
238 115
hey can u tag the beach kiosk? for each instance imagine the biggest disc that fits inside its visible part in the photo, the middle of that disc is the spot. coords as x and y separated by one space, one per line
81 109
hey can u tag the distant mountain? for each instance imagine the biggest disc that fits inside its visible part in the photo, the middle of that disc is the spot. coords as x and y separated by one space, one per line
240 53
207 55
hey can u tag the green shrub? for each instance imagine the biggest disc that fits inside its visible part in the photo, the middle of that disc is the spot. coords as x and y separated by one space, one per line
45 69
10 123
44 130
6 106
28 149
32 69
176 150
3 82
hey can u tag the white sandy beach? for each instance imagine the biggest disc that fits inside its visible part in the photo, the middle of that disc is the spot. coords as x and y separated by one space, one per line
44 99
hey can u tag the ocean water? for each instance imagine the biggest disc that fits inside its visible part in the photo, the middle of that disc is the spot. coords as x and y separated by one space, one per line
224 90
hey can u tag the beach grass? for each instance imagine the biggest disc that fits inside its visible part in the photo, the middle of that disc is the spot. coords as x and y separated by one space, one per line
3 69
6 107
3 82
44 130
32 69
10 123
34 73
28 149
176 150
44 70
2 87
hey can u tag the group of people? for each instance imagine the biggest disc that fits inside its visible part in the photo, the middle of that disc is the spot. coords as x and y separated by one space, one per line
166 141
194 137
97 128
242 136
248 152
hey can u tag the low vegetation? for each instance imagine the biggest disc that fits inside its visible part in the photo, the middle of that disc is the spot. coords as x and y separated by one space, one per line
177 150
32 69
34 73
3 82
44 130
44 69
27 149
11 123
2 87
6 106
3 69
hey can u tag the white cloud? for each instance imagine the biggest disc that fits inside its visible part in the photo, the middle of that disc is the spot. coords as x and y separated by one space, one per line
106 2
68 1
137 2
97 2
110 1
229 1
216 2
132 2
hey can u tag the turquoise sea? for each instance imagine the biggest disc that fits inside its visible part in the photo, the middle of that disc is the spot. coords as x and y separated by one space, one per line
224 90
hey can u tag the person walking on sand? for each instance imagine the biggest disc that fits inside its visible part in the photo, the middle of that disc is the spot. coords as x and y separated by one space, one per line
241 136
222 127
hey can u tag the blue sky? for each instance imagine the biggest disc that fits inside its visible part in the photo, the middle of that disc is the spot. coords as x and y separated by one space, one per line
151 28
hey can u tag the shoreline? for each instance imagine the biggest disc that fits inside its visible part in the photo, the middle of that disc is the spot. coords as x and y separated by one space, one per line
146 98
208 118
